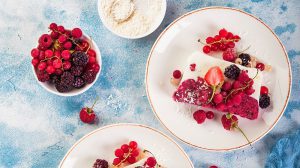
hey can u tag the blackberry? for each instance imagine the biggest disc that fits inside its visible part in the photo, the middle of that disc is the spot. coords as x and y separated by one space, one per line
100 164
43 76
89 76
79 58
245 59
76 70
232 72
60 87
54 79
78 82
67 79
264 101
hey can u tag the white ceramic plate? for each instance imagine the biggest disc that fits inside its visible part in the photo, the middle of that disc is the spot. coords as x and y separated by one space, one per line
142 4
102 143
51 88
171 51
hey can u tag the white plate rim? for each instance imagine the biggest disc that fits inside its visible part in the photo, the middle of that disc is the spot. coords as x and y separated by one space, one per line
126 124
220 8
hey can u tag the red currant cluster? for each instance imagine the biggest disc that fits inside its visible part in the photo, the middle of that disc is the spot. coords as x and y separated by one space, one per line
126 154
54 56
222 41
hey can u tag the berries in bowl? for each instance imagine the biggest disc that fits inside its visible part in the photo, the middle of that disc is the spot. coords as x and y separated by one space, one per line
66 62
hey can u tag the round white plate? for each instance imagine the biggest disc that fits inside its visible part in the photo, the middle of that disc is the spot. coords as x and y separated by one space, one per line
171 51
102 143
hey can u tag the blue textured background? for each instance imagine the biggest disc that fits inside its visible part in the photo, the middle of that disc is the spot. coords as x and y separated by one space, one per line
37 128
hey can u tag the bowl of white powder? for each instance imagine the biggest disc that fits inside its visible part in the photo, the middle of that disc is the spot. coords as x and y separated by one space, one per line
132 19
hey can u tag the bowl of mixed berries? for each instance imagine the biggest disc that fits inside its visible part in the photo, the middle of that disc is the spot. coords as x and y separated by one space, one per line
66 62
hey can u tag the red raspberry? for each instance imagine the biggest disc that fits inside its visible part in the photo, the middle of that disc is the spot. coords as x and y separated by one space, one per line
45 41
229 121
76 33
199 116
87 115
229 55
35 53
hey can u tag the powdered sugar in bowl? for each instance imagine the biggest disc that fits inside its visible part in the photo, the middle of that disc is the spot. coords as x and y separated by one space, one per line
132 19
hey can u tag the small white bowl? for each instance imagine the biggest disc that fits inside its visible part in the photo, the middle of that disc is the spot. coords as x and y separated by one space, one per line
153 27
51 88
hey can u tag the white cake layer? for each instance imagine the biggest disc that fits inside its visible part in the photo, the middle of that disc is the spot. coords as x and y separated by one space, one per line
205 62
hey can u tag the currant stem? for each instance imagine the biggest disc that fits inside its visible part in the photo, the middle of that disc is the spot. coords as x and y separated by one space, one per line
97 98
68 38
237 127
122 161
220 41
213 93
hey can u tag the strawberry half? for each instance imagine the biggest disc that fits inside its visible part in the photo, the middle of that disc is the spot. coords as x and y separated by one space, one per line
214 76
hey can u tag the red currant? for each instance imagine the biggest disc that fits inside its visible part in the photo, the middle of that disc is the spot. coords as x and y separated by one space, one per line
95 67
223 32
119 153
133 144
57 63
58 71
264 90
57 54
213 166
125 148
53 26
209 40
210 115
177 74
48 53
260 66
116 161
35 53
62 38
135 153
229 36
91 53
76 33
65 54
50 62
217 38
67 65
131 159
193 67
218 98
206 49
54 35
236 38
42 66
223 47
35 62
67 45
151 162
50 69
61 29
214 47
42 55
230 44
92 60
